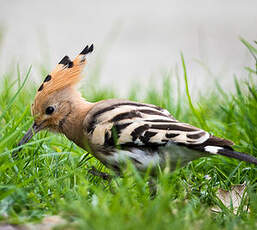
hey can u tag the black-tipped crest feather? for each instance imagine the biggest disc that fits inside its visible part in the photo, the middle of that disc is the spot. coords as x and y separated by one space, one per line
87 50
48 78
66 61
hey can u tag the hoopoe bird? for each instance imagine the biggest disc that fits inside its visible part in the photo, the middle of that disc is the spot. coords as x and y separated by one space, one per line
115 131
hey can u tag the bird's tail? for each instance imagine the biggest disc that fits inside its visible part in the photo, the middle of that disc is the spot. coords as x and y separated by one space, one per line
231 153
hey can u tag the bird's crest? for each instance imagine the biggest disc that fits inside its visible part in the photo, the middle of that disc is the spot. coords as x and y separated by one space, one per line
66 73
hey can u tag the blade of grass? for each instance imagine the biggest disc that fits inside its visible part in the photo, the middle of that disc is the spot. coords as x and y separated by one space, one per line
16 94
195 112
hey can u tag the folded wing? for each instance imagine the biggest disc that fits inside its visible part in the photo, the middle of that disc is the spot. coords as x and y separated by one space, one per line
125 123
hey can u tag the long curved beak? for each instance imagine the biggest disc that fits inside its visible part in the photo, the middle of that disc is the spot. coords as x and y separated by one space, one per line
29 134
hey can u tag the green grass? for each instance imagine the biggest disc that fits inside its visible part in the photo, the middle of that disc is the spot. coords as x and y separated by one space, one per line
51 174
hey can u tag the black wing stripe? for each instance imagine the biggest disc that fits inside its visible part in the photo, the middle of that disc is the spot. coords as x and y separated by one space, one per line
126 115
138 131
91 126
161 121
195 136
109 108
119 127
109 140
173 127
171 135
146 137
152 112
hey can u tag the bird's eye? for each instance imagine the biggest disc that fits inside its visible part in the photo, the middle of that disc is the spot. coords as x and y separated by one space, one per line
49 110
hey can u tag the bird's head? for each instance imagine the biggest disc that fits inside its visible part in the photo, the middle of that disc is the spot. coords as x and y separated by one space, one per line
54 98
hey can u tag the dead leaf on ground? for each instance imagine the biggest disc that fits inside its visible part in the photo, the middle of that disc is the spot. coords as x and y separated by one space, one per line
232 199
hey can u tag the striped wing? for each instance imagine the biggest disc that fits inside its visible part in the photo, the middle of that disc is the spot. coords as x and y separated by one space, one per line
122 122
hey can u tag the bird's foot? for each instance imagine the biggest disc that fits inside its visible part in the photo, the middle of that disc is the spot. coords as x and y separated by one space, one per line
152 184
104 176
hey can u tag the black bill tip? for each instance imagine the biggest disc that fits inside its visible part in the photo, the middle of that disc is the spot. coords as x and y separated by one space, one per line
26 138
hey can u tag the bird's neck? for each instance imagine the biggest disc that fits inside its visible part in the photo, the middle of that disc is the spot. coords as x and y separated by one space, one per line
72 127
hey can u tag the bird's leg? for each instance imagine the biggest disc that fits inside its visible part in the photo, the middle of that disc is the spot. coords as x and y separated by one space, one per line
152 184
104 176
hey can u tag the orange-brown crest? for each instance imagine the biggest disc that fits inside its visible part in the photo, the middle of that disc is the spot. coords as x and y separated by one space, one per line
67 73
